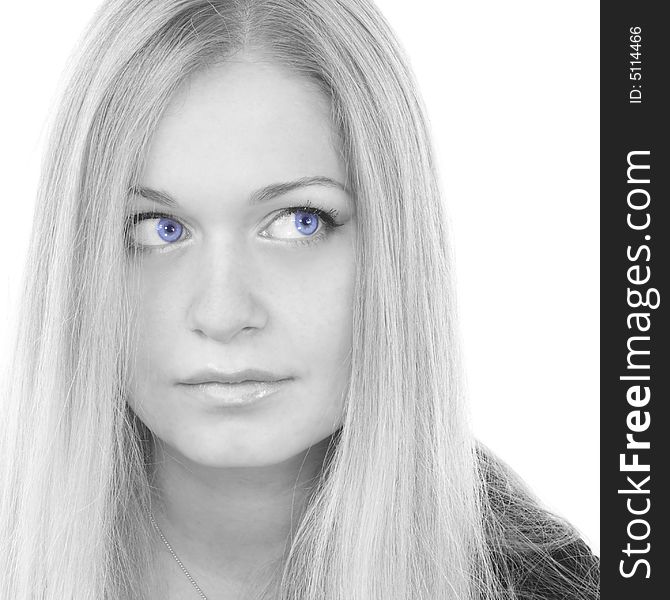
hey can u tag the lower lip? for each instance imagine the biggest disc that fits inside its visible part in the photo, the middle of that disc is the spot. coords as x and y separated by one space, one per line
233 395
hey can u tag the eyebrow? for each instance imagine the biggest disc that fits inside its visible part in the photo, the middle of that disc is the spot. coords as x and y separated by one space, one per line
259 196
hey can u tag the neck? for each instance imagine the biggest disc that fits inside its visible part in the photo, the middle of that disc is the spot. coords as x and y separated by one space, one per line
231 520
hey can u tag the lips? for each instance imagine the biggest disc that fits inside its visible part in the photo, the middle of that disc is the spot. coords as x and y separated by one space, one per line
216 388
230 395
214 375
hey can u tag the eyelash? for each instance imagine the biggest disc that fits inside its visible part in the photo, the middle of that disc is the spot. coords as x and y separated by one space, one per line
328 217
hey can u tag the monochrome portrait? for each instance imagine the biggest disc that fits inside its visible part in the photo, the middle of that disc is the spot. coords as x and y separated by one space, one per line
280 326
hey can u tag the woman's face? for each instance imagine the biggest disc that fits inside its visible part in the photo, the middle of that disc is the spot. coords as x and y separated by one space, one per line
233 280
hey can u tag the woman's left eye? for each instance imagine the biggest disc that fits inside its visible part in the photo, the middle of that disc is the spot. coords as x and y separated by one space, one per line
302 225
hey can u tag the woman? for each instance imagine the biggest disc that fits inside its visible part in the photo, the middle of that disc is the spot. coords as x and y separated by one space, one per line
236 374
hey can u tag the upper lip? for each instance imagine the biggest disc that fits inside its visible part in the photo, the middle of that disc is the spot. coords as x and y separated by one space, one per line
219 376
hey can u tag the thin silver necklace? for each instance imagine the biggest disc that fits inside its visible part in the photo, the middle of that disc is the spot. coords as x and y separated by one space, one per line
174 555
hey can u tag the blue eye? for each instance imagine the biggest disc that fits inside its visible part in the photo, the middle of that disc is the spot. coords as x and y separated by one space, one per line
169 230
301 225
153 229
305 222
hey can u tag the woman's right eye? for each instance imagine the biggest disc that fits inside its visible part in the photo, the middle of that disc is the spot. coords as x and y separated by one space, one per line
153 230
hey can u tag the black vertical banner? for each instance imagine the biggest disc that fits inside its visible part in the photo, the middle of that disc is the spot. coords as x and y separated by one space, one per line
635 260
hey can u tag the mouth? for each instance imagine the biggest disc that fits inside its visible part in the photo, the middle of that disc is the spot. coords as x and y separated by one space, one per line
231 395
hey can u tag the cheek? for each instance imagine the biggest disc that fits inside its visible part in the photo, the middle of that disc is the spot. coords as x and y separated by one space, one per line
156 330
317 321
312 321
314 308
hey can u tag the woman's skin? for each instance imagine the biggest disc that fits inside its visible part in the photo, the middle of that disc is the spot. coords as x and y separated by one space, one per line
232 293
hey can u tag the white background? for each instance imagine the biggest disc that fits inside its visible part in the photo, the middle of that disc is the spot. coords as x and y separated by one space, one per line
512 91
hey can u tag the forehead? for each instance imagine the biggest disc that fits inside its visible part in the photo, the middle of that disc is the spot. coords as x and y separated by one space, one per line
240 125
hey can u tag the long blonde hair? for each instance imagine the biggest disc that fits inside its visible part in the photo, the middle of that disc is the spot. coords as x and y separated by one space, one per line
403 508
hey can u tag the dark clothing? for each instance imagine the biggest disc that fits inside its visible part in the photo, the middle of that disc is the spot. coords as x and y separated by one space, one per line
536 554
571 572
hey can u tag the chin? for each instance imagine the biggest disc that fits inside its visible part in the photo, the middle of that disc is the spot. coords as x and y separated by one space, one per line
234 453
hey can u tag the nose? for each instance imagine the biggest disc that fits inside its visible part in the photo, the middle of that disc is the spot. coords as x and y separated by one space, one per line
223 302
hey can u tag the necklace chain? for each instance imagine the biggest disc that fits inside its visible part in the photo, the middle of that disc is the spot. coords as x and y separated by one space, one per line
174 555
